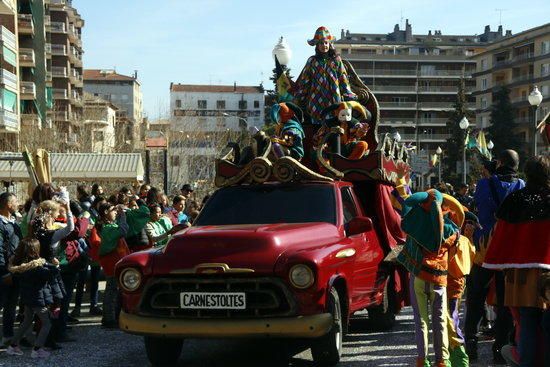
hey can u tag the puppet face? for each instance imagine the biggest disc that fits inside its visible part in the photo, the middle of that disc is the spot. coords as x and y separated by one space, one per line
344 115
323 46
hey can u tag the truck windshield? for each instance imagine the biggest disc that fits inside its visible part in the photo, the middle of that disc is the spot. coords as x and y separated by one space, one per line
266 204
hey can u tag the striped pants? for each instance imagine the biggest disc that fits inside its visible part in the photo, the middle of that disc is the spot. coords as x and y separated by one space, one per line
423 295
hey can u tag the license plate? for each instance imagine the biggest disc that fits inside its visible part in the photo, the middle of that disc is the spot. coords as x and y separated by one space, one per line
217 300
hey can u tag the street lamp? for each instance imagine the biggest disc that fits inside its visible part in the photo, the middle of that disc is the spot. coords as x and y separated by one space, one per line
245 122
490 145
464 124
282 52
439 151
535 99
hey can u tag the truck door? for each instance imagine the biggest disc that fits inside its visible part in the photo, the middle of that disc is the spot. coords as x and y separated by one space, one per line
368 253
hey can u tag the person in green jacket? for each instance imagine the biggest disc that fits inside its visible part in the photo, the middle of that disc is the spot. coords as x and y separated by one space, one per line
159 228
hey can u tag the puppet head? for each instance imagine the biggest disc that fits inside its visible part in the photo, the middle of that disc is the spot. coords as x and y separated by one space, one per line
282 112
342 112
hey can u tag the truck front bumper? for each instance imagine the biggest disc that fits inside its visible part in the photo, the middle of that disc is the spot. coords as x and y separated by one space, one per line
290 327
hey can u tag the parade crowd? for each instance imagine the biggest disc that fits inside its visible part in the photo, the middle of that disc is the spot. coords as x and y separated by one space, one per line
54 247
491 249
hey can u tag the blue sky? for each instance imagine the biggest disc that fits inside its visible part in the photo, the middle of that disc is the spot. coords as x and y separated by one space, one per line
223 41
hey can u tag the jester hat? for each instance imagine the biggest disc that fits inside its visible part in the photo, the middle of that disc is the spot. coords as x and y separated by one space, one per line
322 33
282 112
331 112
454 209
423 219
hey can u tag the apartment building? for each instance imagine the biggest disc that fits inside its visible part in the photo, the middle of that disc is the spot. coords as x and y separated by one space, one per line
203 119
415 77
517 62
124 91
98 125
64 26
9 79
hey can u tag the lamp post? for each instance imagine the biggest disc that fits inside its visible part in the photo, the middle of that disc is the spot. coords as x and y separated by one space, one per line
282 52
464 124
535 99
245 122
439 153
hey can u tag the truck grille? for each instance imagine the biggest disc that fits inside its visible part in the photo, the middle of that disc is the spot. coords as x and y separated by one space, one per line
265 297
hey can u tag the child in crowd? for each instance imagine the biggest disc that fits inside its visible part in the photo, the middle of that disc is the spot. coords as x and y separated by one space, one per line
35 276
160 227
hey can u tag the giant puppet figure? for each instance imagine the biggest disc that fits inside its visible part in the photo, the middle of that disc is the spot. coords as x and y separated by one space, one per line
323 81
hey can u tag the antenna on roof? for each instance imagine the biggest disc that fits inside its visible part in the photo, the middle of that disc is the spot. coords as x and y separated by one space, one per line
500 15
401 21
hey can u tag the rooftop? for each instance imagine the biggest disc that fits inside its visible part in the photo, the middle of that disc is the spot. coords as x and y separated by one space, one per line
406 36
215 88
107 74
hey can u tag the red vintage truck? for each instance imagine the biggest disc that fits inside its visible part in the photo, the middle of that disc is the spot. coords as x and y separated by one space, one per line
279 251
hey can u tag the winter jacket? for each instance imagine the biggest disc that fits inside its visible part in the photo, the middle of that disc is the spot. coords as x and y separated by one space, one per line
10 234
39 283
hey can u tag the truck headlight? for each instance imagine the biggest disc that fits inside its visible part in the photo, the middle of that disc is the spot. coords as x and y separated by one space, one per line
301 276
130 279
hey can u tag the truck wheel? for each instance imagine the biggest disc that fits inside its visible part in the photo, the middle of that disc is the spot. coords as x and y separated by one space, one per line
382 317
163 351
327 350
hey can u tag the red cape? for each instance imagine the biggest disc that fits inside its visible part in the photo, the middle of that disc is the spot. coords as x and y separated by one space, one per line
519 245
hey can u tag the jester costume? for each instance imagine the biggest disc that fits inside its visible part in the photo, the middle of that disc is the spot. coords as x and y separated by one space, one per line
323 81
430 235
289 132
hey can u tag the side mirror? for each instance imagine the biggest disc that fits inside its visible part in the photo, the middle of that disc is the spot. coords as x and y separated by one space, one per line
358 225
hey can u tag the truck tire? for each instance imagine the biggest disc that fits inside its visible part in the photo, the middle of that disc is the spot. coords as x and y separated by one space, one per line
327 350
382 317
163 351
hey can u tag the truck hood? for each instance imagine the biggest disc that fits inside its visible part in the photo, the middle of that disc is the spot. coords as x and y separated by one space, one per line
255 247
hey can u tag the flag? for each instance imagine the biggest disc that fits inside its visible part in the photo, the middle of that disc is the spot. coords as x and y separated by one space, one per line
482 145
470 141
434 160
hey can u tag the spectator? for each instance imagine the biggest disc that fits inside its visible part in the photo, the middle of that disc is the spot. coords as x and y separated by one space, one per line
164 203
192 210
176 213
36 293
143 190
489 195
463 196
159 228
97 190
10 235
84 197
186 190
521 245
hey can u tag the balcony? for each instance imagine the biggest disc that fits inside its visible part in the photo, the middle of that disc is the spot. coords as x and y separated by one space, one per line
58 27
60 93
8 38
61 116
394 88
436 105
26 57
48 22
522 78
440 89
76 78
73 34
48 50
524 120
445 73
28 90
8 79
59 50
432 122
397 105
398 122
56 3
25 24
75 98
8 120
425 137
8 6
49 77
59 72
31 120
387 72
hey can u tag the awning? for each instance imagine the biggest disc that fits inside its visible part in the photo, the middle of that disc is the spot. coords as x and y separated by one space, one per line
80 167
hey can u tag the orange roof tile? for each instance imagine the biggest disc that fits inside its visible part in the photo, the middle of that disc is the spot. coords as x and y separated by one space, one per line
98 74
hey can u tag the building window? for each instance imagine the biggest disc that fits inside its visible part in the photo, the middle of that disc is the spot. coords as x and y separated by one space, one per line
483 102
256 104
220 121
178 112
242 105
202 104
175 160
178 103
99 136
544 69
413 51
483 64
202 120
545 47
484 83
220 105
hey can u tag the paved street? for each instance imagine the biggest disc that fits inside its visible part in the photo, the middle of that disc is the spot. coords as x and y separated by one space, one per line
364 348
